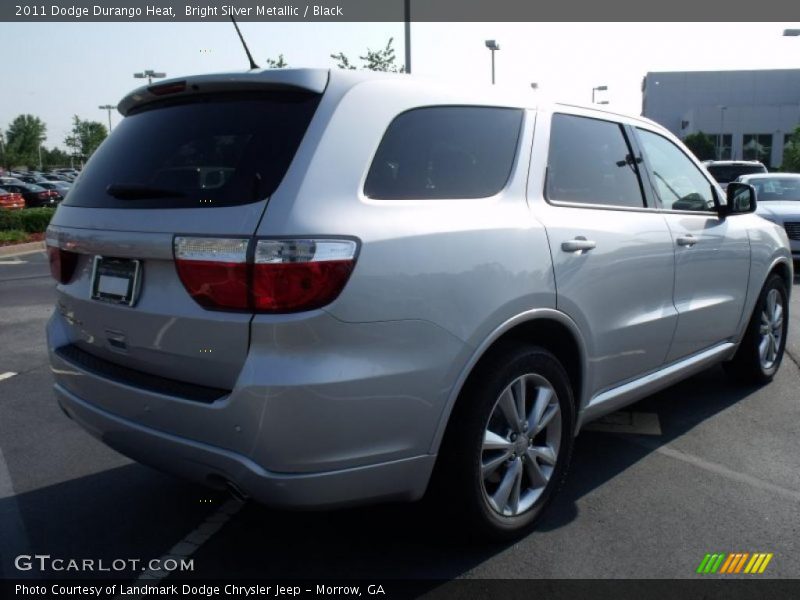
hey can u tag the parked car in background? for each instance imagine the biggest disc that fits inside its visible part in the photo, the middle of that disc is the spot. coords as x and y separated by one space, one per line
10 180
383 282
779 201
35 195
62 187
725 171
56 177
11 200
32 178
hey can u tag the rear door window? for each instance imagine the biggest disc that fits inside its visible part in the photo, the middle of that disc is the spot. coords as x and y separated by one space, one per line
591 162
213 150
445 152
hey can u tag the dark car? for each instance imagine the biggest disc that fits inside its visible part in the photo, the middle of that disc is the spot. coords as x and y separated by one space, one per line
35 195
32 178
56 177
62 187
725 171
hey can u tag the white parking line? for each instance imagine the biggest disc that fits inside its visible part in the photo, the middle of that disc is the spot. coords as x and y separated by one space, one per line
191 543
718 469
7 375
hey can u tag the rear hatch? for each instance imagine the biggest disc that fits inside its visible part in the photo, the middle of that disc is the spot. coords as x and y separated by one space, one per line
190 170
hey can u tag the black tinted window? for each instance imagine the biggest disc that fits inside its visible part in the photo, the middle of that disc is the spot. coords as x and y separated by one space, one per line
445 152
590 162
728 173
216 150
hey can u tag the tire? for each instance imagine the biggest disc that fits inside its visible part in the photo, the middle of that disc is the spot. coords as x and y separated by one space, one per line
752 363
483 455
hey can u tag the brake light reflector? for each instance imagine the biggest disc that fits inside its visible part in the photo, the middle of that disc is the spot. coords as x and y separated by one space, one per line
297 275
214 271
282 276
62 262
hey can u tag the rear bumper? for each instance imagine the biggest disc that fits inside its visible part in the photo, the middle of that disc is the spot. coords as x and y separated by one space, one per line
397 480
324 413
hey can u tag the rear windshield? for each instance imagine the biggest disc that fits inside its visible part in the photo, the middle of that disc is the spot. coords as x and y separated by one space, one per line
727 173
216 150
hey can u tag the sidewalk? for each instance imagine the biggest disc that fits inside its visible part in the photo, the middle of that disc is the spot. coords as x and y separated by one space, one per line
16 249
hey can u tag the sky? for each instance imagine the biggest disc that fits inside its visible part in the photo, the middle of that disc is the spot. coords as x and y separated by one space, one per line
57 70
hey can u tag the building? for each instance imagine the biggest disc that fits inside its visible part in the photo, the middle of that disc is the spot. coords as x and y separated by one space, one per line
754 111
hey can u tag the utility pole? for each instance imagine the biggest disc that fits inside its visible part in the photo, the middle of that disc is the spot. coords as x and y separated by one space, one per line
407 18
149 74
109 108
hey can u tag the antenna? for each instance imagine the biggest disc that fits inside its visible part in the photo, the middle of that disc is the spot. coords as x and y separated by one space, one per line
253 64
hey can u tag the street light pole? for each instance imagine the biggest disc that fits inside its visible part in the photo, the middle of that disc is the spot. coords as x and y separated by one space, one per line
599 88
721 127
407 9
109 108
493 46
149 74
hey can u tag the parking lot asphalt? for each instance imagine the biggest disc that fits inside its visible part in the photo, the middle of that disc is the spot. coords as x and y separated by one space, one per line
720 473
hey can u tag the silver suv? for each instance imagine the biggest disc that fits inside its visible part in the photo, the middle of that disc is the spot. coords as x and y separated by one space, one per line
326 288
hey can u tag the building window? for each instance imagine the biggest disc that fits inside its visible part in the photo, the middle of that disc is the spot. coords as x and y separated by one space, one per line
726 153
757 146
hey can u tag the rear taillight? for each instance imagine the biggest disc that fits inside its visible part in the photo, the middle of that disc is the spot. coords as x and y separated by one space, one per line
43 195
214 271
295 275
280 276
62 262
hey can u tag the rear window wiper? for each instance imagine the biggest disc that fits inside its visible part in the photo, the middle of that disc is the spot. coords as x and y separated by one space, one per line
127 191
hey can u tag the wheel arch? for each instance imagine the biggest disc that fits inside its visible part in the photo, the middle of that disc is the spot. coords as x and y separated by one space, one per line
547 328
782 267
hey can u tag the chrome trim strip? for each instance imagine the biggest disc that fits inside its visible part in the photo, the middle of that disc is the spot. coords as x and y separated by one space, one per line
615 398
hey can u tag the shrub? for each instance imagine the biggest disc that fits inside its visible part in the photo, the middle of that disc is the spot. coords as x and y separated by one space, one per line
12 237
31 220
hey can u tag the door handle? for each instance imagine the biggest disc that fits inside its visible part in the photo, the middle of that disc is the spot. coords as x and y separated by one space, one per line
579 244
686 240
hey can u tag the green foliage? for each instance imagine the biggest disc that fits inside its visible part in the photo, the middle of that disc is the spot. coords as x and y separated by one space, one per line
374 60
279 63
12 237
791 152
343 62
31 220
54 157
701 145
85 137
22 141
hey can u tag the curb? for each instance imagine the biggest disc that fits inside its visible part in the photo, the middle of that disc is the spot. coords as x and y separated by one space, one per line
28 248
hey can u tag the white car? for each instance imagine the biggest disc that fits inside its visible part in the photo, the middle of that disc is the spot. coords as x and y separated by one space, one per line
778 197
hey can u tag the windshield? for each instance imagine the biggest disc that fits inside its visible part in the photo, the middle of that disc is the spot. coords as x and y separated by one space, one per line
776 189
727 173
213 150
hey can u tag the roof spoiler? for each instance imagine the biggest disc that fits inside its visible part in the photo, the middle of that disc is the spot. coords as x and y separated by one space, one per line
310 80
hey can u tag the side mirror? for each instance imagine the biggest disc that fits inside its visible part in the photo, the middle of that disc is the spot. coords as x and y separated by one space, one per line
741 199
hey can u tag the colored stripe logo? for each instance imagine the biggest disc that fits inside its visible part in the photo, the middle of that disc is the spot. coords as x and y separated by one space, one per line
734 563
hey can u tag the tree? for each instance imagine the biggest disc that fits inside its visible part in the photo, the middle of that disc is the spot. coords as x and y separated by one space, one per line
375 60
791 152
23 138
85 137
279 63
343 62
54 157
701 145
